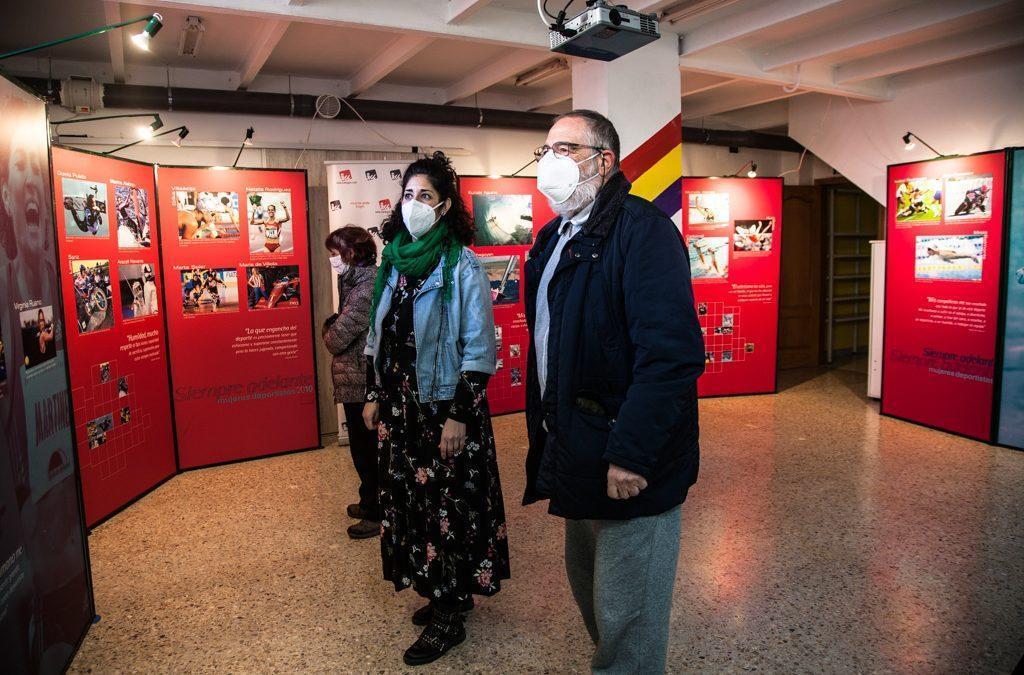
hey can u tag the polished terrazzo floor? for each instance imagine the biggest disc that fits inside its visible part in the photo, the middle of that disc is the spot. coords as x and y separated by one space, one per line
820 538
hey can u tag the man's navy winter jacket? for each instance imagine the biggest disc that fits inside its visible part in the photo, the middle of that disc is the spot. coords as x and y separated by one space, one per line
624 354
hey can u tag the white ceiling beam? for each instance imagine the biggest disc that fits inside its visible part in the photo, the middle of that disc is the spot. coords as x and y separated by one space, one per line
262 46
757 18
710 87
494 25
740 64
493 73
383 64
460 10
876 29
942 50
723 102
549 97
115 39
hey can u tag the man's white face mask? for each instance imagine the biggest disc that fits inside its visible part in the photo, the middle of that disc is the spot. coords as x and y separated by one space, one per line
558 176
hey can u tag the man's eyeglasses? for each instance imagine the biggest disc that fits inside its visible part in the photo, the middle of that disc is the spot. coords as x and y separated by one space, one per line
564 149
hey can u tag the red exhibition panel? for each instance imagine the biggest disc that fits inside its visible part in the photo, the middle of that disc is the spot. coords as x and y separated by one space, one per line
507 213
944 256
117 352
733 232
236 267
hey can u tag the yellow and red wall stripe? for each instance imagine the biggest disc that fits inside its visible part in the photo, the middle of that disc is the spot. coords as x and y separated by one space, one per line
656 168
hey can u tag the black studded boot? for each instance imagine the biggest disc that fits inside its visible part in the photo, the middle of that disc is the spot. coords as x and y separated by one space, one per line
446 630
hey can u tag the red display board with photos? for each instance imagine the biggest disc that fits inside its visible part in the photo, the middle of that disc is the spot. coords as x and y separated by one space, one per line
944 258
239 315
109 266
733 233
507 212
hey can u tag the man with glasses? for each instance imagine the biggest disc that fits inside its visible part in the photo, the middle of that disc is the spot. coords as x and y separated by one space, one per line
611 412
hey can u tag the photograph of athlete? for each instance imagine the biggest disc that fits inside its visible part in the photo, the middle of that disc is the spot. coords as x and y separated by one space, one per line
131 206
956 257
708 207
709 257
93 295
753 235
208 291
270 222
85 205
503 274
204 216
968 197
137 285
271 287
918 199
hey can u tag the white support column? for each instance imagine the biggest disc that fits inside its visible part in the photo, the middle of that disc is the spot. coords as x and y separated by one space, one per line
640 93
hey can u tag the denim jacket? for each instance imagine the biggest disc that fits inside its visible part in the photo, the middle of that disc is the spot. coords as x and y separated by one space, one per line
452 337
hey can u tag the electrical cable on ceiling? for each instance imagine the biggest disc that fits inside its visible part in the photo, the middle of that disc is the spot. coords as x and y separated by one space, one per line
368 125
881 151
796 85
523 168
328 107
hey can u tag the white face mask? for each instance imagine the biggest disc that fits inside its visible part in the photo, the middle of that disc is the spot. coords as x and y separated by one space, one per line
338 265
419 218
558 176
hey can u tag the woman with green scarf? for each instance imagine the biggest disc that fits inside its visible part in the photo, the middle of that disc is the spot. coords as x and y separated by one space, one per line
431 350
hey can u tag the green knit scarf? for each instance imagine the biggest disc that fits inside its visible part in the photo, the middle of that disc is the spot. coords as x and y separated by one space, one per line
417 259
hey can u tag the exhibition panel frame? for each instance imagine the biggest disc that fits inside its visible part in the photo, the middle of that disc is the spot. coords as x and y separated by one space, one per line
109 247
47 604
1008 423
507 212
732 228
945 235
243 375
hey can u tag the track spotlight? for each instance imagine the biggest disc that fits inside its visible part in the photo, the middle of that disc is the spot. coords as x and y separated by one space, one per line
245 141
908 143
753 170
182 133
153 27
248 136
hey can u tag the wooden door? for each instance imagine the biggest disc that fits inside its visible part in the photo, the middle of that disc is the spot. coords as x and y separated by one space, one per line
800 293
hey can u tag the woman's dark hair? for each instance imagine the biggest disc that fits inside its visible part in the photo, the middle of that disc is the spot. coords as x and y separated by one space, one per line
355 245
439 171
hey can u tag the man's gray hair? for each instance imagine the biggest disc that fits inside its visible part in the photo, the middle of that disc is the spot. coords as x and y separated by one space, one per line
600 130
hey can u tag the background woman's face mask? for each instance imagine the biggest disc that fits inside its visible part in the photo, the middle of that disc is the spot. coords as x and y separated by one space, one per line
419 218
558 176
337 264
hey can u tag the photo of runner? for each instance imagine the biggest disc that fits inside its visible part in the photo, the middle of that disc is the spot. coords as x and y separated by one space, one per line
270 222
270 287
94 294
205 216
209 291
85 208
131 207
137 284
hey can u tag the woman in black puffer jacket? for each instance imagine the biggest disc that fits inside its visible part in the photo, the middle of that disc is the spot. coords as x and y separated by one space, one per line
353 255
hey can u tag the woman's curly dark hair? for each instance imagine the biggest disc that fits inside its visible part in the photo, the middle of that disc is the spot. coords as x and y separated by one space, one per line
439 171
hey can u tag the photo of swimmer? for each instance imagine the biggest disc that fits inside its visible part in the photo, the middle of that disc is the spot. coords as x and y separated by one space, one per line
205 216
131 208
270 287
137 284
503 220
956 257
709 257
85 208
37 334
753 235
270 222
94 295
503 273
209 291
708 207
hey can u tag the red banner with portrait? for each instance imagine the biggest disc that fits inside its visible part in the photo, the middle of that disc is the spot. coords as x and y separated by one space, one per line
944 259
733 233
507 212
109 266
239 312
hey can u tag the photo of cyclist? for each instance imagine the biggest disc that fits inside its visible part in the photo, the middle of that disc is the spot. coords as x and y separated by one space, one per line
93 295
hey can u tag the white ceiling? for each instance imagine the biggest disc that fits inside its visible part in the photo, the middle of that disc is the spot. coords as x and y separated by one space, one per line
736 55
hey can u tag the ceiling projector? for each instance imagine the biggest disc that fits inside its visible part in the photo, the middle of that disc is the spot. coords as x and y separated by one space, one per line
603 32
